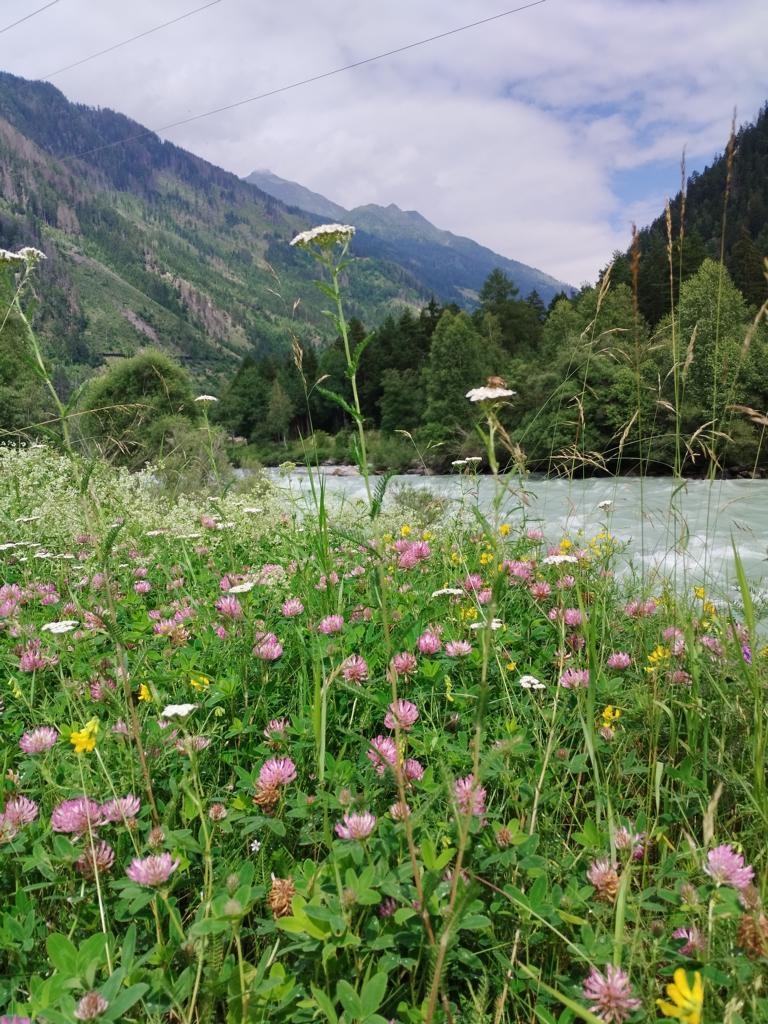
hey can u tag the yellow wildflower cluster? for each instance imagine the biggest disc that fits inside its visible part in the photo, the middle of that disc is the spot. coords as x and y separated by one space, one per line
199 682
511 666
658 658
468 614
686 1000
84 741
504 529
603 544
144 692
405 531
610 716
486 558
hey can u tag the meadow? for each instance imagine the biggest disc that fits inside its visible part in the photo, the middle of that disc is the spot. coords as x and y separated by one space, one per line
269 766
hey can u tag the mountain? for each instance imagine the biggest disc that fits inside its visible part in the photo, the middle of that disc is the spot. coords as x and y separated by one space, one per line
148 244
450 266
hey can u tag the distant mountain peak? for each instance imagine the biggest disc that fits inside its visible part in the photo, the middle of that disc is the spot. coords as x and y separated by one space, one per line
452 267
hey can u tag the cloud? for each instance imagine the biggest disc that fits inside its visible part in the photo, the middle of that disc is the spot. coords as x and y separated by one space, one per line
515 133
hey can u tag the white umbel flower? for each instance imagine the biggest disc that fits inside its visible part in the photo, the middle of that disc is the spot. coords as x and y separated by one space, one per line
178 710
206 398
531 683
64 626
486 394
324 235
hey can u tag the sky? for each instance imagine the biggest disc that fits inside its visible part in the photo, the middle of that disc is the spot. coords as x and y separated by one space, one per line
543 135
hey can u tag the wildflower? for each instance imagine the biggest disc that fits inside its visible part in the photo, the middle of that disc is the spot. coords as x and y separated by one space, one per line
413 770
144 692
694 943
97 859
206 398
752 936
153 870
354 669
404 663
123 808
399 810
267 647
686 1001
387 907
277 771
530 683
21 811
726 867
470 796
540 590
405 531
37 741
217 812
559 560
429 642
356 826
229 607
65 626
610 994
331 624
504 530
199 683
325 235
77 816
33 658
489 393
142 587
91 1006
276 728
383 753
14 1018
178 710
281 896
85 740
610 715
401 713
574 677
255 846
604 877
605 505
292 607
458 648
633 841
619 660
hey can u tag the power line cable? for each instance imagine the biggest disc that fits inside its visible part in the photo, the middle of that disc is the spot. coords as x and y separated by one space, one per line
125 42
28 16
305 81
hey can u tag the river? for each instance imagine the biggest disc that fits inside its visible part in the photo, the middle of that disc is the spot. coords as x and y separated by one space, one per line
681 528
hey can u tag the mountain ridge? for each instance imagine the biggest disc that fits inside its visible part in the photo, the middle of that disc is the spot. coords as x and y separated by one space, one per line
412 240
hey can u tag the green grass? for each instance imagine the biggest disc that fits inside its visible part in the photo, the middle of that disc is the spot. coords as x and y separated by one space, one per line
486 916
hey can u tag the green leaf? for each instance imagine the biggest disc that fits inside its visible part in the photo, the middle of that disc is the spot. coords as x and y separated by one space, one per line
325 1004
333 397
372 995
349 999
63 954
125 1001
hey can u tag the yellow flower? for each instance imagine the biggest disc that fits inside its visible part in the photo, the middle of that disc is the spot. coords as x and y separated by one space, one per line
144 693
565 544
199 682
610 714
427 535
504 529
485 558
405 531
387 538
448 689
710 610
687 1001
511 666
455 557
84 741
658 656
699 592
469 614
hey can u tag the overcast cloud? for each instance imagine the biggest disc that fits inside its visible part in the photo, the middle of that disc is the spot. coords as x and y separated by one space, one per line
542 135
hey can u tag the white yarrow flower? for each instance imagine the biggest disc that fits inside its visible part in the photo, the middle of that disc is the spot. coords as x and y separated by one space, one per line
531 683
206 398
448 592
325 235
560 560
242 588
64 626
486 394
178 710
494 624
605 505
